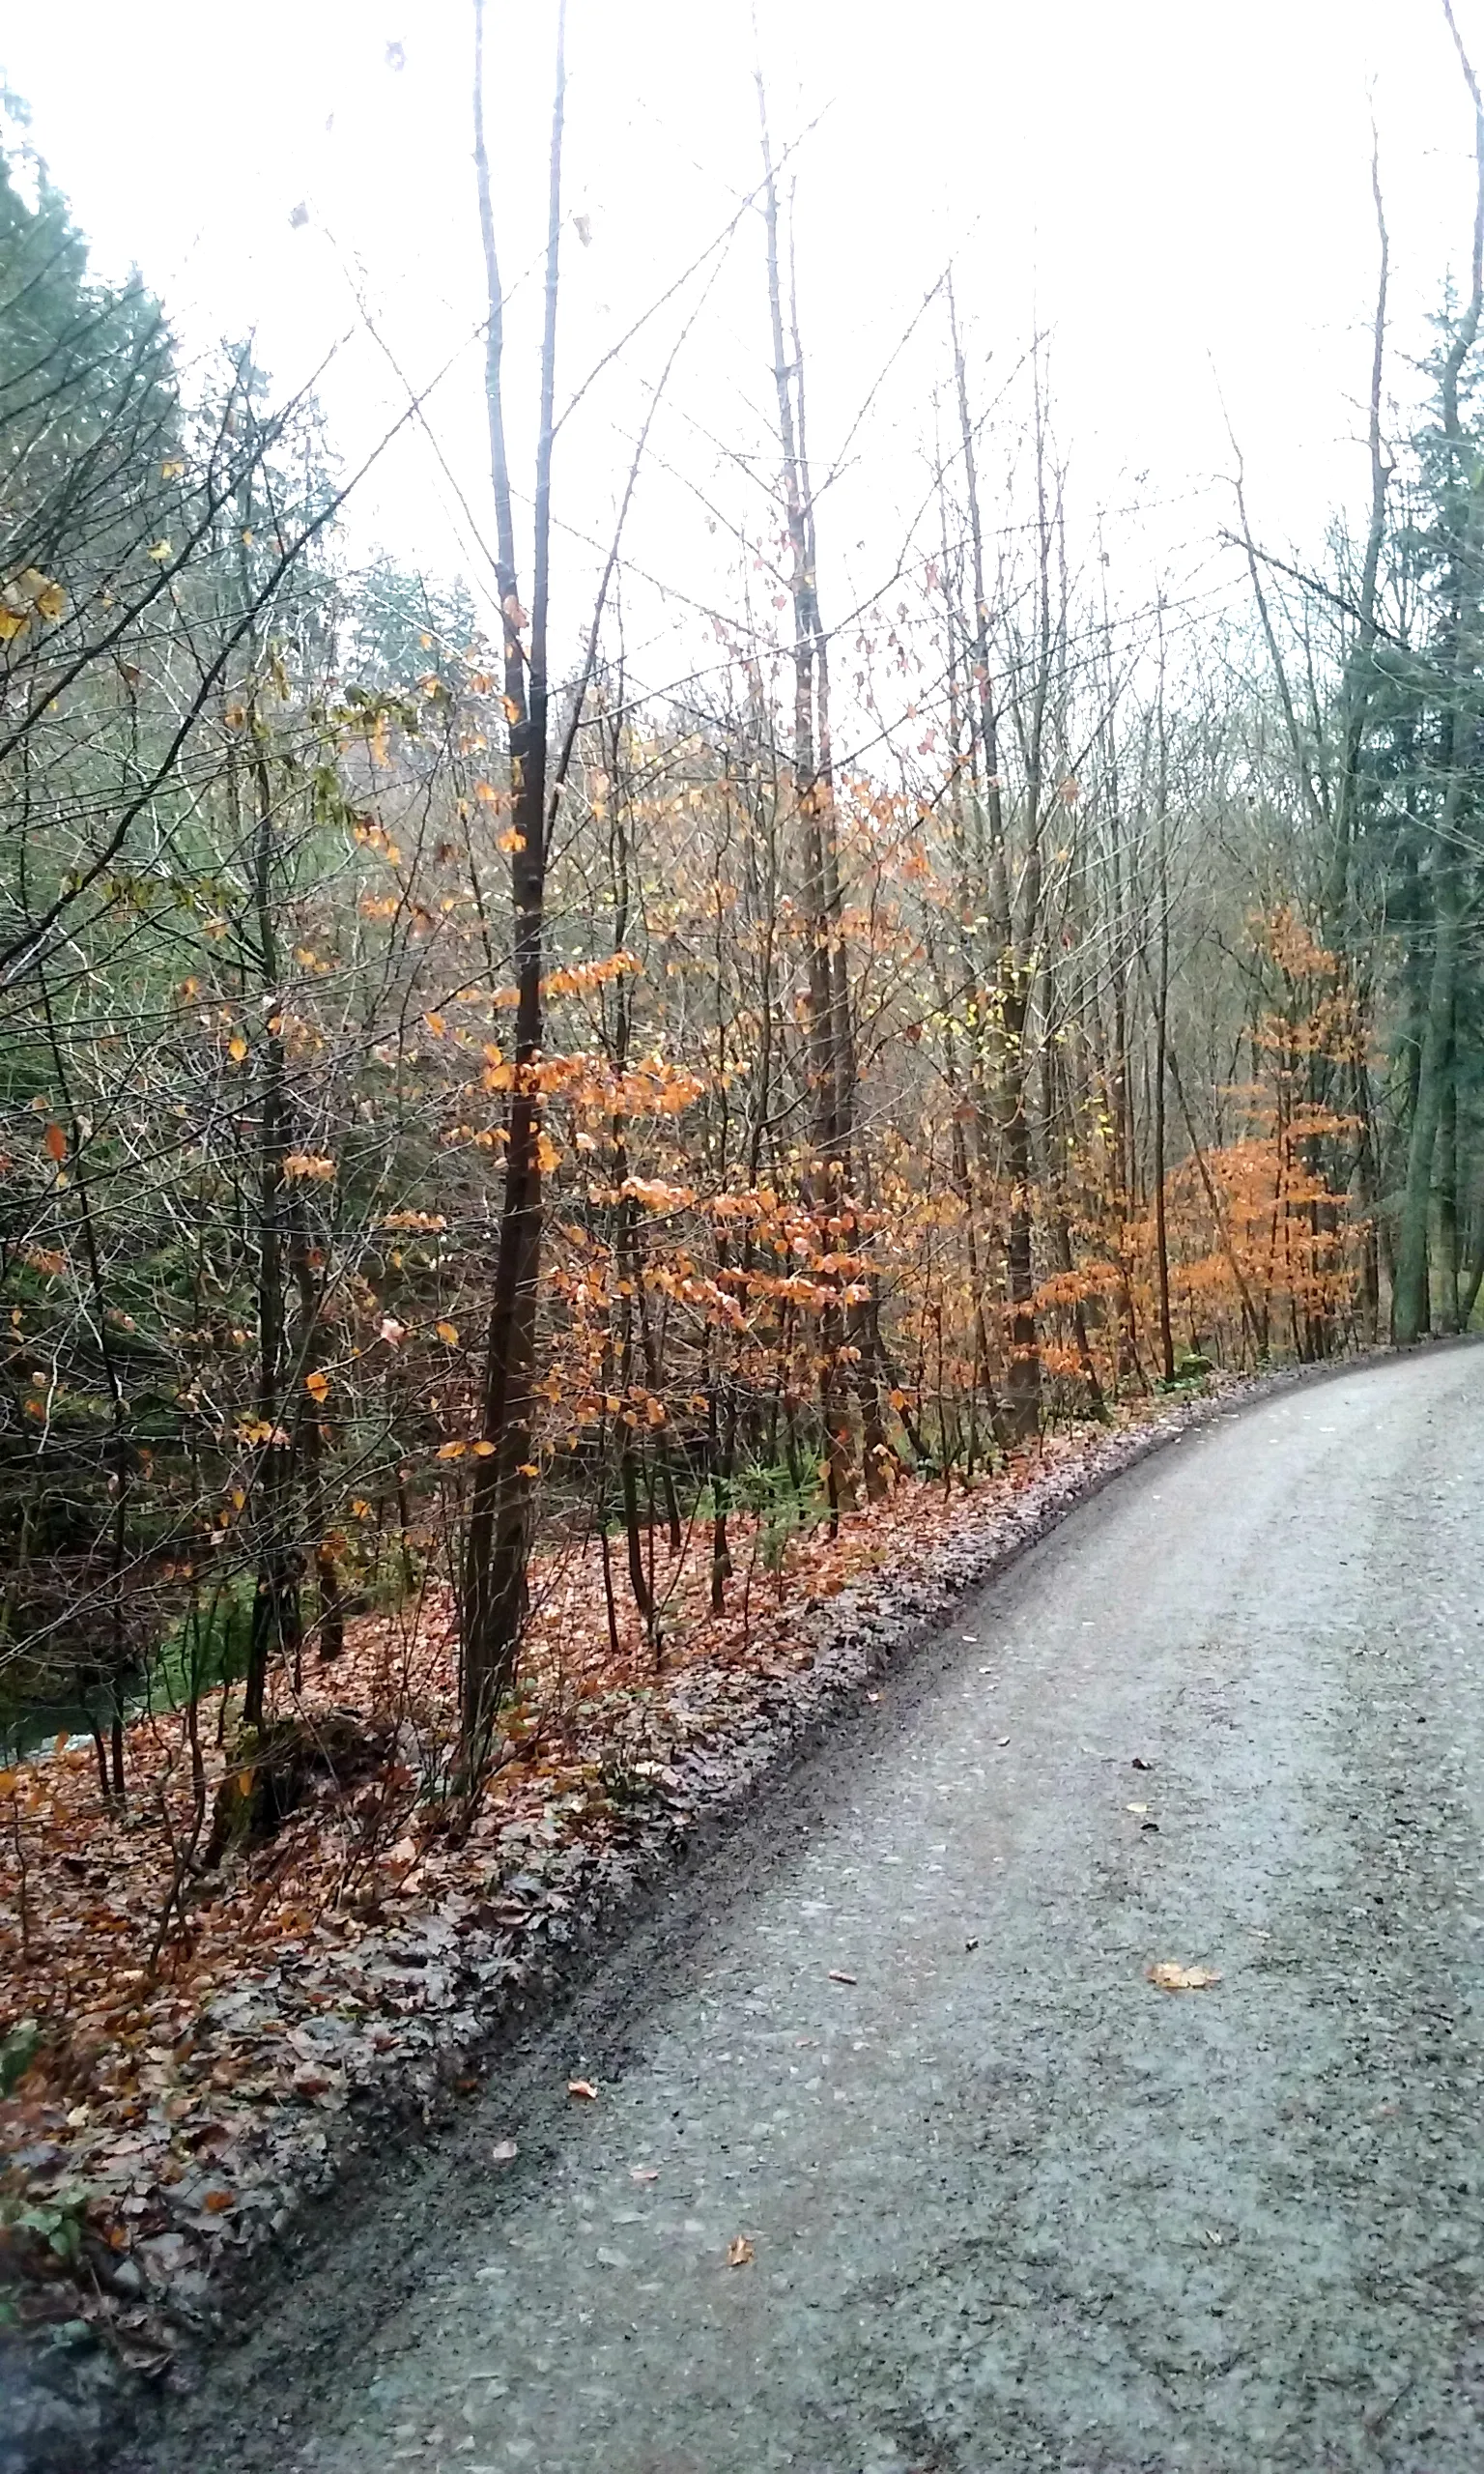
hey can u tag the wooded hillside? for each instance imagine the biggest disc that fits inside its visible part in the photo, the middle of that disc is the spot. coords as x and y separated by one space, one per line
474 1132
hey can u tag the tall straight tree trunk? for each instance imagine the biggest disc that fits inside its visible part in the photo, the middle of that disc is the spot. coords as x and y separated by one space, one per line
828 1043
1022 1390
1414 1282
497 1545
1161 1216
275 1607
1163 1037
1447 1187
1410 1316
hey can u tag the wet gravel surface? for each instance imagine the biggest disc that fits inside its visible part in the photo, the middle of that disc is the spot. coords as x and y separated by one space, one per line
997 2201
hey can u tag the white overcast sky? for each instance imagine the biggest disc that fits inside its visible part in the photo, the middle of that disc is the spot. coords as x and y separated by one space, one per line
1176 191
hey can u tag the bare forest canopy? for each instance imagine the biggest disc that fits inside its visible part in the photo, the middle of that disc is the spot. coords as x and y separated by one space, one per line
458 1108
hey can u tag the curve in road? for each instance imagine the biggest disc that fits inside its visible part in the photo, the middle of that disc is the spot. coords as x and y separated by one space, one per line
899 2160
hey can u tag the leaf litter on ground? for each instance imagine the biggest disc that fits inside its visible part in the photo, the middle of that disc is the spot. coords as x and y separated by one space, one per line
1171 1977
189 2051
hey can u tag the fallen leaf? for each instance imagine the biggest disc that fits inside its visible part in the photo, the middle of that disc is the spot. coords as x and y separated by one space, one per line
1171 1977
217 2202
56 1142
583 2088
739 2252
839 1975
503 2152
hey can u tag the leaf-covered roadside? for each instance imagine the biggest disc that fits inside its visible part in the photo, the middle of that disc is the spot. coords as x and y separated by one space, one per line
186 2060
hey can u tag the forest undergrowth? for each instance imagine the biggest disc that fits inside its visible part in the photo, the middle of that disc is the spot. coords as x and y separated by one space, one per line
205 1994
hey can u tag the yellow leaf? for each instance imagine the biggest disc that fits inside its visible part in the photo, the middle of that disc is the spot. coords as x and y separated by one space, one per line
237 1047
52 602
172 471
528 1469
449 1332
483 1449
7 1781
159 552
452 1451
13 623
317 1386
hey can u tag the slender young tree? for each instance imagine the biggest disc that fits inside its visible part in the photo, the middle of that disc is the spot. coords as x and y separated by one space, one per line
498 1546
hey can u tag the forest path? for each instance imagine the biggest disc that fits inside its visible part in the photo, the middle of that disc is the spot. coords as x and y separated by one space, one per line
1008 2204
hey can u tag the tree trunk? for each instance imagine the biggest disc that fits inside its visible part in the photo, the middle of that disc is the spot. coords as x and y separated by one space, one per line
497 1545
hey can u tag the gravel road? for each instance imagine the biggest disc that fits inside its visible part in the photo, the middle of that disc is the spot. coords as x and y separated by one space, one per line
1004 2204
